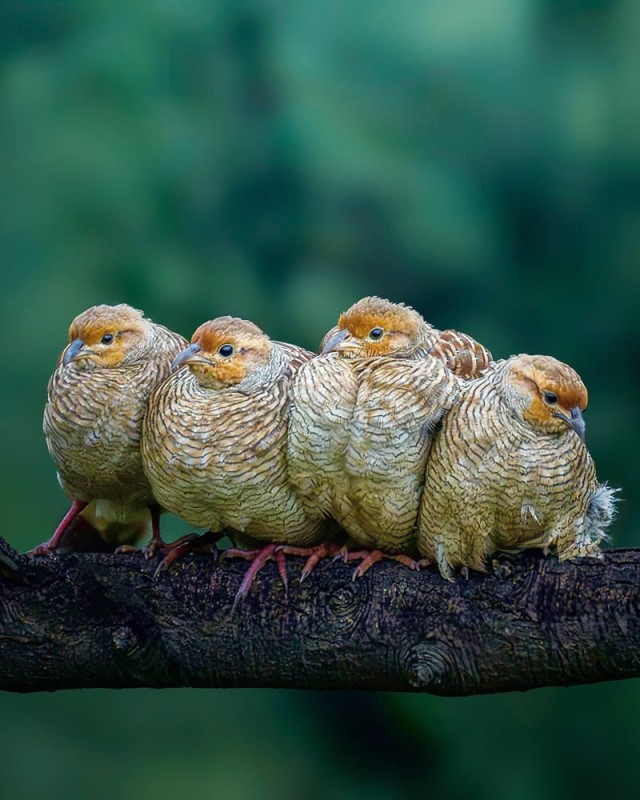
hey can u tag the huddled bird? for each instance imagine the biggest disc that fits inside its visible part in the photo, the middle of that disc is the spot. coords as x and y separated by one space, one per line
397 441
215 441
362 421
400 331
97 398
510 470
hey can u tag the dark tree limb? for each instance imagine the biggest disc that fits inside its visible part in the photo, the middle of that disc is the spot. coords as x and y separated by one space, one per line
100 620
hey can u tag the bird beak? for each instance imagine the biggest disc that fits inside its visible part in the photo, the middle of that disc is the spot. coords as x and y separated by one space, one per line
187 356
575 421
72 351
341 342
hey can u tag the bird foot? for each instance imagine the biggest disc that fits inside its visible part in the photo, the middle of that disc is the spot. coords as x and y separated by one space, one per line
314 554
152 549
44 549
125 548
191 543
47 548
156 545
258 558
371 557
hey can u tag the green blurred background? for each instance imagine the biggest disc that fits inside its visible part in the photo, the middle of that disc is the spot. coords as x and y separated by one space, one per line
278 160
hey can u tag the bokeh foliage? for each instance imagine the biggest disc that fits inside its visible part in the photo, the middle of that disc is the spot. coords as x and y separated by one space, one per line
277 160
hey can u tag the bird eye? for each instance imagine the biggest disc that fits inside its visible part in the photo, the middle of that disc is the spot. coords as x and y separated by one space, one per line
107 338
551 398
376 333
226 350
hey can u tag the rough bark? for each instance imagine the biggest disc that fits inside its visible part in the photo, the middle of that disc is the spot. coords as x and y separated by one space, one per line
100 620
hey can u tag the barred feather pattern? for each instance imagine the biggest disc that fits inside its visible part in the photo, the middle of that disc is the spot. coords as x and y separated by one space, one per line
218 457
92 424
462 354
324 395
495 483
359 437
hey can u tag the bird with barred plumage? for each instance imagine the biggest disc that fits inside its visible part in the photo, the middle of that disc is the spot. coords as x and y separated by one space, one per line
509 470
400 331
97 398
361 425
215 442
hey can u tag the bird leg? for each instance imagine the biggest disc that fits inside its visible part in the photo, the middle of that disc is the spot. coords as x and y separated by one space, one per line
46 548
371 557
258 558
156 542
191 543
328 548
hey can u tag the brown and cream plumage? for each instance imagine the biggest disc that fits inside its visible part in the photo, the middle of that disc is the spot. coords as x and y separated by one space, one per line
401 332
361 425
93 418
509 470
215 438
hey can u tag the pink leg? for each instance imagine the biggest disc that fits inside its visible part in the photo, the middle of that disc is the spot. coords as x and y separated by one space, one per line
156 542
46 548
314 554
371 557
191 543
258 558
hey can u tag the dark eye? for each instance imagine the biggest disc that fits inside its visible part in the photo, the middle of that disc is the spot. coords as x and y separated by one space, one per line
226 350
550 398
107 338
376 333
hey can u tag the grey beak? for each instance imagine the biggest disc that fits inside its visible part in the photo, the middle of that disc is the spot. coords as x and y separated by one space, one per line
336 340
185 355
72 351
576 421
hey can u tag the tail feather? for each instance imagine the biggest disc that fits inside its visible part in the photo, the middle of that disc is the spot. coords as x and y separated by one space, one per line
601 512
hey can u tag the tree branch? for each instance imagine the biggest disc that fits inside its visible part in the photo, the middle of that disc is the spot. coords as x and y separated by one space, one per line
100 620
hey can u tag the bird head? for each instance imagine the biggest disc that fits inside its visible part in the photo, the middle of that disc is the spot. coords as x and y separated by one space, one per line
107 336
225 351
377 327
548 394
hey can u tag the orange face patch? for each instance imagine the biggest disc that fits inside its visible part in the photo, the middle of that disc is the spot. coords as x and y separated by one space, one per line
373 312
400 325
250 348
542 376
122 326
95 322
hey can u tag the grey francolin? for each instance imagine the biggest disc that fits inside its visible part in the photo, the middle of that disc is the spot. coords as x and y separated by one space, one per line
215 440
97 398
400 331
509 469
361 425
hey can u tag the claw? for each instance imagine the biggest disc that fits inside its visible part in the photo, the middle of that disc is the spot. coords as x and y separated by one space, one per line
342 554
258 558
46 548
191 543
125 548
371 557
315 554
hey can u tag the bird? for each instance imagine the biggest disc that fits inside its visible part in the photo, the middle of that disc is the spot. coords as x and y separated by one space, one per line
97 397
214 443
374 326
360 429
510 469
